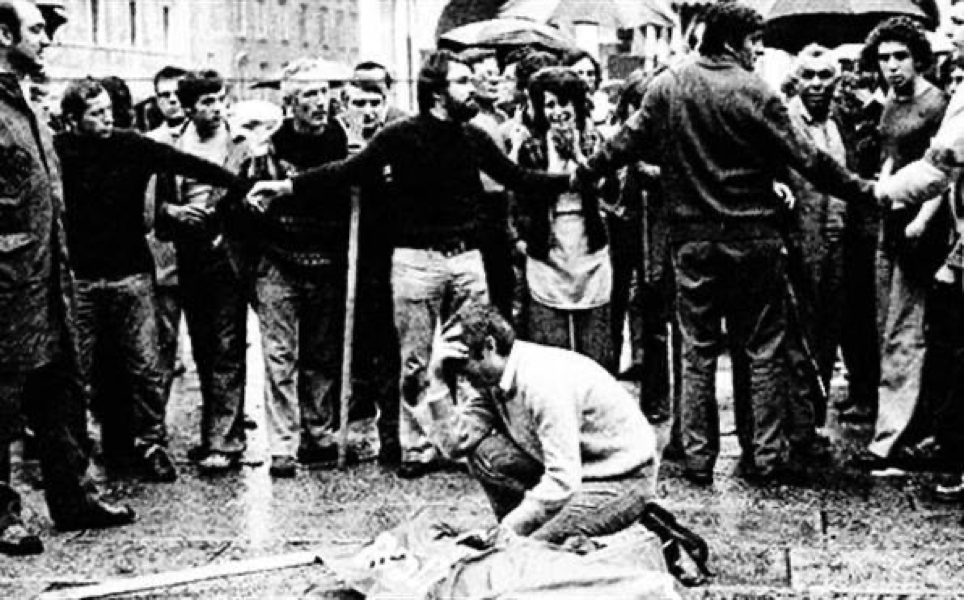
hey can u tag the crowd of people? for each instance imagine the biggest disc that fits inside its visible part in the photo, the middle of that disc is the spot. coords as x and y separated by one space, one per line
511 234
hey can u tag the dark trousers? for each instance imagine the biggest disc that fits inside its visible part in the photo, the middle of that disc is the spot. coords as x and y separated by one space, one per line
859 334
626 254
943 372
124 312
215 303
51 399
376 359
168 329
743 282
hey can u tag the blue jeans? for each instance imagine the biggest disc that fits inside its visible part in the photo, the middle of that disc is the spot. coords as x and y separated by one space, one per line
600 507
427 288
125 312
302 327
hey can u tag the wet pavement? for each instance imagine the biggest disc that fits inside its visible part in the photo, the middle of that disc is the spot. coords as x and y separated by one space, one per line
842 534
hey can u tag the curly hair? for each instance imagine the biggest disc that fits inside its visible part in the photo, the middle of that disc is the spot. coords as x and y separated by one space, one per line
903 30
567 86
728 24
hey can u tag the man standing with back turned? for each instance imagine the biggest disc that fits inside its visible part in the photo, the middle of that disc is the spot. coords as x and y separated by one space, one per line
722 137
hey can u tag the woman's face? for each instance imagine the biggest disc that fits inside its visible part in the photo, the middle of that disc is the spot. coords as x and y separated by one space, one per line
559 115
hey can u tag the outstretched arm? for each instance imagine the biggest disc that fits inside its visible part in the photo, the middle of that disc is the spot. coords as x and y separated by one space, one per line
163 158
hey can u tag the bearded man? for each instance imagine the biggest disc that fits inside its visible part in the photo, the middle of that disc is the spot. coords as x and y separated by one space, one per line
435 160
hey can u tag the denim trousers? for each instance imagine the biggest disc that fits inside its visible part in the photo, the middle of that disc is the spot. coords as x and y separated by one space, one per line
743 282
124 312
215 303
427 288
301 313
600 507
902 360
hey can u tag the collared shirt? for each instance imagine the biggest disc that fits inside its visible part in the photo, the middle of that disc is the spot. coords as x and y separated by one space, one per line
561 408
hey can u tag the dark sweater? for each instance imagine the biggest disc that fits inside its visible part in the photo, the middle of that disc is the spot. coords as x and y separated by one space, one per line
434 171
301 230
104 185
722 137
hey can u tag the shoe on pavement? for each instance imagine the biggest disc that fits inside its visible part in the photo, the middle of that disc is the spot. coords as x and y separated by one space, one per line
415 469
283 467
158 466
698 478
951 490
15 540
219 462
99 515
325 456
390 456
196 454
865 460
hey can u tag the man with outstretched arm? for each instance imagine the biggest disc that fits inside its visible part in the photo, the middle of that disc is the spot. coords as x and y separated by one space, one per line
434 160
722 137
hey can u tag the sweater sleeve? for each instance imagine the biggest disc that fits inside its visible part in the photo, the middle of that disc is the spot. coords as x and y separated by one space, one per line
163 158
346 171
635 141
796 149
498 166
941 165
455 429
557 427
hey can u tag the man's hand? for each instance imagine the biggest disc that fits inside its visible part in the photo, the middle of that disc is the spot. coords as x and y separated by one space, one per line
785 194
265 192
446 347
483 539
880 188
915 229
192 215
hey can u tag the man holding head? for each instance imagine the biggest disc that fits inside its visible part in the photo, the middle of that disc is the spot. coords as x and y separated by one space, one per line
435 159
557 443
39 370
721 137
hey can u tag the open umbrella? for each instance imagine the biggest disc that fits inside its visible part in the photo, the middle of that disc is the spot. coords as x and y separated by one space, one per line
608 14
508 32
792 24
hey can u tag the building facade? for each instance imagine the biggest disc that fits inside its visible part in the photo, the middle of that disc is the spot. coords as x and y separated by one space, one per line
245 40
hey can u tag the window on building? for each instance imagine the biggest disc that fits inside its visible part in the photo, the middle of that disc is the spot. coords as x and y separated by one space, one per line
166 26
340 32
285 17
323 38
132 11
95 21
303 24
261 19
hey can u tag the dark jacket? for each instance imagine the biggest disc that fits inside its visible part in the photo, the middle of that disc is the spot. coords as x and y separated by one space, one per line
535 208
721 136
105 181
434 167
36 286
301 230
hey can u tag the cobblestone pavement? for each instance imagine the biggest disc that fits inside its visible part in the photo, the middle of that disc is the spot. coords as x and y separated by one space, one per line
841 535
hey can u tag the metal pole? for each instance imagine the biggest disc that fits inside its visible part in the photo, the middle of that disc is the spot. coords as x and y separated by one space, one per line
349 340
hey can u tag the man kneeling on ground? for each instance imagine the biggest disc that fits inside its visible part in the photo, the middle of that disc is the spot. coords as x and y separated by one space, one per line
558 444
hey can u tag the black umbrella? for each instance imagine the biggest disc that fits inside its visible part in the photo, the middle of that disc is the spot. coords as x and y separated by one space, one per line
507 33
792 24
